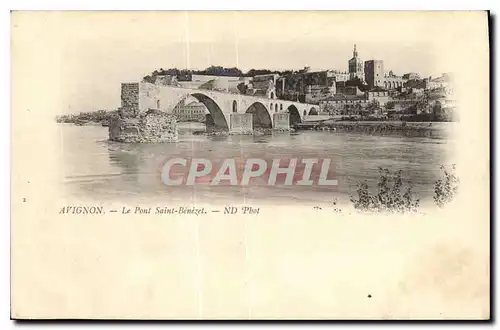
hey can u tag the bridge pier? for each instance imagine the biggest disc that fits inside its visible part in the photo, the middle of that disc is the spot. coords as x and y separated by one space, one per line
240 123
281 120
210 123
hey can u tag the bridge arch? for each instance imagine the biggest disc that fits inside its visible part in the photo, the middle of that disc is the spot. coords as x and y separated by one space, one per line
294 115
214 109
260 115
313 112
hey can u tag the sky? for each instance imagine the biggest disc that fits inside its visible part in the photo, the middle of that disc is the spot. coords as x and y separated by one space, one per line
96 51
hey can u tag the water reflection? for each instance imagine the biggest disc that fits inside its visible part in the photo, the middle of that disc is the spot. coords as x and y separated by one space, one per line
126 156
135 169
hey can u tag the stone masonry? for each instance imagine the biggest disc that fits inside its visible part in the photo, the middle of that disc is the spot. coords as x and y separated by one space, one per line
129 100
152 126
241 123
281 121
133 126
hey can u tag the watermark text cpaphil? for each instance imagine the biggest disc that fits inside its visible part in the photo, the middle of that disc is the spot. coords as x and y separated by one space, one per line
251 171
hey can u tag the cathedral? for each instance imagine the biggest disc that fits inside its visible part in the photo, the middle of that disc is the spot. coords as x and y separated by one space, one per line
356 67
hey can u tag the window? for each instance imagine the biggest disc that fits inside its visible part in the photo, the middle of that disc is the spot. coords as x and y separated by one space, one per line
158 104
235 106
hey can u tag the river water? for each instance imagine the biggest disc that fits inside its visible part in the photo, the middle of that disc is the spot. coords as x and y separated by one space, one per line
97 169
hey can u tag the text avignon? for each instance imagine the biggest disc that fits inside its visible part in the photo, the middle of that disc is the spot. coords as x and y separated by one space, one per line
82 210
253 171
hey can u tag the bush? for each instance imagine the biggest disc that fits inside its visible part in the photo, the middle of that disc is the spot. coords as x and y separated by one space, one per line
446 188
94 116
390 196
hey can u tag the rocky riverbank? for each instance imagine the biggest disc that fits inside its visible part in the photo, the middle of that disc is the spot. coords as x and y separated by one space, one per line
424 129
256 132
392 128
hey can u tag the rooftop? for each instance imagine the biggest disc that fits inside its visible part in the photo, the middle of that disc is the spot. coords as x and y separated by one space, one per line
342 97
378 89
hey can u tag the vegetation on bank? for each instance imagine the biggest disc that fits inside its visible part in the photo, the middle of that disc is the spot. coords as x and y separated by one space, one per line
417 118
420 112
186 75
447 187
393 196
84 118
380 128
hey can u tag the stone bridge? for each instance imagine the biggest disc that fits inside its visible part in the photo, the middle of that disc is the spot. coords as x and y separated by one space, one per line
234 112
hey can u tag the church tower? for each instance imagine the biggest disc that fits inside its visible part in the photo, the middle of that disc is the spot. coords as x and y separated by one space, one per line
356 68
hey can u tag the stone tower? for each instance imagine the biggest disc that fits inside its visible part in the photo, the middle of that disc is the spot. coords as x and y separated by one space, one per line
374 73
356 69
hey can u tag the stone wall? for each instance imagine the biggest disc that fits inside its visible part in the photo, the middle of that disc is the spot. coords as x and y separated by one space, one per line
152 126
241 123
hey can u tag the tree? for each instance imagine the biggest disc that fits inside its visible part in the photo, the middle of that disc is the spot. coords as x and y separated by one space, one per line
256 72
242 88
373 105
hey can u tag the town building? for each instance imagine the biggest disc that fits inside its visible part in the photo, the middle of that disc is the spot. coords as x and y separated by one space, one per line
444 82
263 85
356 69
441 93
374 73
166 80
217 83
392 81
417 84
343 104
304 86
316 93
337 76
379 94
192 111
348 88
411 76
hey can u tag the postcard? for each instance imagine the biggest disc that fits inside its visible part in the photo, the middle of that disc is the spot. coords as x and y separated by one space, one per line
250 165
